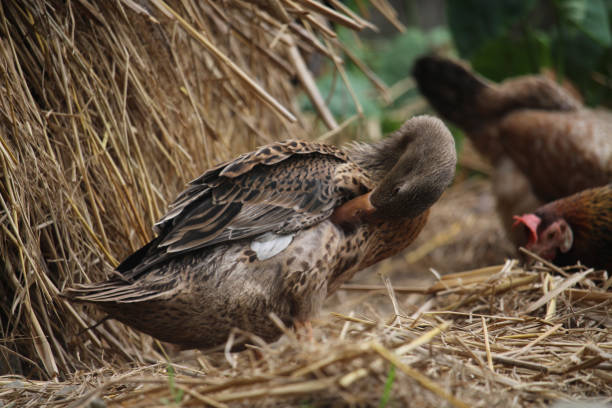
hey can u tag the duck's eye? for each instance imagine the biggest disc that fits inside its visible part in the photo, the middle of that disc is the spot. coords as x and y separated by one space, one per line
550 235
396 190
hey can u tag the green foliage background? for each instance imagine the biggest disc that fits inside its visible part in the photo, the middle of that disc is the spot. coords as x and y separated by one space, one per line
513 37
501 39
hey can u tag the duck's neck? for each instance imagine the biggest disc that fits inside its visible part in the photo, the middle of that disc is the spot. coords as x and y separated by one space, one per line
392 237
378 158
373 242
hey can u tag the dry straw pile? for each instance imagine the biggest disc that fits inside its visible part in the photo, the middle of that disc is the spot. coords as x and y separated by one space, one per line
107 108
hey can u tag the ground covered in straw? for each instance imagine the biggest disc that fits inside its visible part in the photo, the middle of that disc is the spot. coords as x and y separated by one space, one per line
503 335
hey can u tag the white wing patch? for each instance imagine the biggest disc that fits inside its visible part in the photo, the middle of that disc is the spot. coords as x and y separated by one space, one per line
270 244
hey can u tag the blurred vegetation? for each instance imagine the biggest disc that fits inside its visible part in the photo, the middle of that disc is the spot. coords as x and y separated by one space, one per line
502 38
507 38
391 60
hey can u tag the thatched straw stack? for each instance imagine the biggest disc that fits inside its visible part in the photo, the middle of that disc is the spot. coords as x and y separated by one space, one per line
106 109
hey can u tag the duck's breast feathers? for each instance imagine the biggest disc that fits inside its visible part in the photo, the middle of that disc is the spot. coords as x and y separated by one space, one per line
279 188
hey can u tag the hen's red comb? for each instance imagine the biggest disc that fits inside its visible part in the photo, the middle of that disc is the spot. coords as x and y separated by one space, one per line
531 221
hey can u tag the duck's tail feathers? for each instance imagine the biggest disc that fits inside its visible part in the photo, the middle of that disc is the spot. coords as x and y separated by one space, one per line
451 88
112 291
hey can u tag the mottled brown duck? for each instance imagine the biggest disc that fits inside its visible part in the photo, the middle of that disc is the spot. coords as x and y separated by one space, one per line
276 230
542 142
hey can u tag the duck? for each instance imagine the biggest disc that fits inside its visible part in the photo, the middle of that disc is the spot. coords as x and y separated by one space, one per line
276 231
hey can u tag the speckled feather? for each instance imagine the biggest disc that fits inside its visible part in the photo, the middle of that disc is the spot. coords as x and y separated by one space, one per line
279 188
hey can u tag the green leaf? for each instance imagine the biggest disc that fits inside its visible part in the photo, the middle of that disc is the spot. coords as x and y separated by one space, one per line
475 22
341 103
177 393
505 57
590 17
394 59
581 57
384 399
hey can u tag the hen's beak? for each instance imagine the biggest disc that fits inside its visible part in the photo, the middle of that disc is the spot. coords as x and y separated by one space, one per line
354 211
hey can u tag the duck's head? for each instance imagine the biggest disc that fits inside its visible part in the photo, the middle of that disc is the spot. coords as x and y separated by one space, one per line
419 160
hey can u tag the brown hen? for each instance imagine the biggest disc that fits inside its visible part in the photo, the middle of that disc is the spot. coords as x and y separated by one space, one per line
543 144
572 229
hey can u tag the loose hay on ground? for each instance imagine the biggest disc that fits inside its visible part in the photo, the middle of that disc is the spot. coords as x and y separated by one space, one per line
496 336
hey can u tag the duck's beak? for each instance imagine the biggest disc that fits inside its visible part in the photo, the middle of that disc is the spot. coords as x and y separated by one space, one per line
354 211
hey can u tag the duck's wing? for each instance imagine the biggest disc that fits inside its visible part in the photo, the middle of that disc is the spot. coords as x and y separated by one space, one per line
278 188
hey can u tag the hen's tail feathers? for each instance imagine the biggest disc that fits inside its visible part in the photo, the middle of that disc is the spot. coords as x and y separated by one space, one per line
451 88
